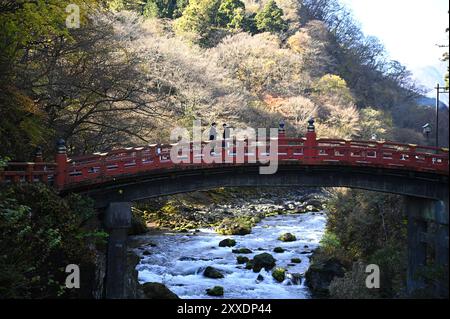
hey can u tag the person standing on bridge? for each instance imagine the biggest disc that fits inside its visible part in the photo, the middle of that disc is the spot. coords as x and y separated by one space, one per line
213 137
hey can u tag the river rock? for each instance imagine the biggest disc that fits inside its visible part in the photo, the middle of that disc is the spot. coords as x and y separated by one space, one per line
211 272
321 273
295 278
242 260
249 265
265 261
227 243
244 251
279 250
154 290
279 274
234 227
217 291
288 237
259 279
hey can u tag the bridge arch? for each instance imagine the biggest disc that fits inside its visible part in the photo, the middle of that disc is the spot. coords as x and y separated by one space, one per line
139 187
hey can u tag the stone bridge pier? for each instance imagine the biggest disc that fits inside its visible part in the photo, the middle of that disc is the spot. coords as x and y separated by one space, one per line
117 221
427 243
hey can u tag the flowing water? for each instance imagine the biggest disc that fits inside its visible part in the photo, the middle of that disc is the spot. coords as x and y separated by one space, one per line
178 260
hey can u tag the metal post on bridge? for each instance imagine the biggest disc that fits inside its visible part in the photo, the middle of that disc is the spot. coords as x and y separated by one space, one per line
61 164
38 155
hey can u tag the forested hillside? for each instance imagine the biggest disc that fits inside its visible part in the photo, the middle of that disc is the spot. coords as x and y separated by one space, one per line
135 69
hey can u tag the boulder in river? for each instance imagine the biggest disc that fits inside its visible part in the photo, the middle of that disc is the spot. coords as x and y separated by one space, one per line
211 272
288 237
155 290
238 226
279 274
320 274
259 279
146 253
217 291
279 250
265 261
244 251
295 278
242 260
227 243
296 260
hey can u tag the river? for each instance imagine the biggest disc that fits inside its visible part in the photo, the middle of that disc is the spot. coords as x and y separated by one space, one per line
178 260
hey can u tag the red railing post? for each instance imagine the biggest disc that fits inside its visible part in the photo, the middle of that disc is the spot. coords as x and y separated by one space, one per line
138 157
61 164
311 143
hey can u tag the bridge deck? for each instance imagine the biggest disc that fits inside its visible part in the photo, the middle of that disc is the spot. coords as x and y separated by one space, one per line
101 167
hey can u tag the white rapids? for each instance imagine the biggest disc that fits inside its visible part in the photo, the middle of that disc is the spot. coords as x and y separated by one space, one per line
178 260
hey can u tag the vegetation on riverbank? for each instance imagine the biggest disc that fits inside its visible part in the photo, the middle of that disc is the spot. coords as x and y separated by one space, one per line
364 228
40 234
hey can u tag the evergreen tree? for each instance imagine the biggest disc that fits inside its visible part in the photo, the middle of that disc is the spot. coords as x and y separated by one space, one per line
160 8
200 17
270 18
231 14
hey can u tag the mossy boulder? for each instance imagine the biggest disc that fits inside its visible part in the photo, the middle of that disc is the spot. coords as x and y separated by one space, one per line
279 274
217 291
244 251
155 290
321 273
265 261
242 260
236 226
211 272
279 250
296 261
288 237
249 265
227 243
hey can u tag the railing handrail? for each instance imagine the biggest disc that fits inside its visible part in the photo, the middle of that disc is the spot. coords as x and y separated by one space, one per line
307 150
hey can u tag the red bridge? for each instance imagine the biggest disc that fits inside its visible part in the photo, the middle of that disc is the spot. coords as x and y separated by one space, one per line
69 172
117 178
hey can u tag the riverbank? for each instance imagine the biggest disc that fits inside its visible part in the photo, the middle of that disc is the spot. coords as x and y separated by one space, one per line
231 211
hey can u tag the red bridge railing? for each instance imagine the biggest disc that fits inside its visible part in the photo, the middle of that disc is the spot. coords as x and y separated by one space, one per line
67 172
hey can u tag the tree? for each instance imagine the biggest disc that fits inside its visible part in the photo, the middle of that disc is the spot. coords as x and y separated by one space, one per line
133 5
160 8
231 14
333 85
199 17
270 18
375 123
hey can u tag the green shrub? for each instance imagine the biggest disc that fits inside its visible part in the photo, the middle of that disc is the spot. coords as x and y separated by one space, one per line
40 234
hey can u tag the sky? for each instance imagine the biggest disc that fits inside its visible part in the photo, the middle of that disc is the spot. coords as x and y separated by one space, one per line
410 31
